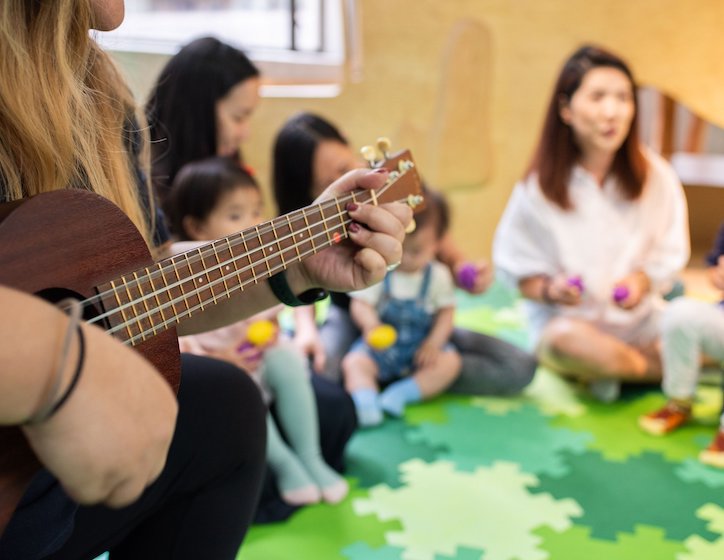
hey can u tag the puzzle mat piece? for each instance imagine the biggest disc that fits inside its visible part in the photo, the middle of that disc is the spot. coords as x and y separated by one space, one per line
489 509
362 551
473 438
434 410
617 496
692 470
645 542
373 455
318 531
701 549
609 422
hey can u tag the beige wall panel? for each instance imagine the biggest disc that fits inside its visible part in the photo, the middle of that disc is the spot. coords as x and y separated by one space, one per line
414 93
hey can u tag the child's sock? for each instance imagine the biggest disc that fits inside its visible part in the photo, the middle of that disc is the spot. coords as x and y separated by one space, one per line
334 488
397 395
368 408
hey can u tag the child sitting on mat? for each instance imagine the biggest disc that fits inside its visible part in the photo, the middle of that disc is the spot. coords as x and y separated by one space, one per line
418 299
215 198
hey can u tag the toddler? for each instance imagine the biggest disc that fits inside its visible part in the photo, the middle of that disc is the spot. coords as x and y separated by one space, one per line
417 299
215 198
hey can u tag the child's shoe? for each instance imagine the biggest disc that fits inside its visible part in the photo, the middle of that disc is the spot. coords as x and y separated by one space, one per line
714 454
665 420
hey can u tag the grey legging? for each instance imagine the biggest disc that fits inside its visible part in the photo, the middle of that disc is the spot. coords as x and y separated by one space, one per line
491 366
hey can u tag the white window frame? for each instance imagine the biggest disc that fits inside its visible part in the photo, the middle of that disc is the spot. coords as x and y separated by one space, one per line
286 72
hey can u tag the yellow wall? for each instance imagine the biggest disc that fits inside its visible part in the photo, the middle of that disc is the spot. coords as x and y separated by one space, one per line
463 83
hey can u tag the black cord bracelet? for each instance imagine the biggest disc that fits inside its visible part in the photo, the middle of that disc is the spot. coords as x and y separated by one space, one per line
76 375
44 415
280 287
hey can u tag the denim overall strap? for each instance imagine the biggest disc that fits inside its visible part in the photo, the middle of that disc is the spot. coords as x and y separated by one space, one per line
412 322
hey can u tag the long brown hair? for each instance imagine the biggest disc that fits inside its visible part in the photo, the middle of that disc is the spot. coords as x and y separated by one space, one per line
557 152
64 109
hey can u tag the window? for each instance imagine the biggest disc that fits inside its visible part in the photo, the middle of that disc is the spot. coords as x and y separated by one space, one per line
294 42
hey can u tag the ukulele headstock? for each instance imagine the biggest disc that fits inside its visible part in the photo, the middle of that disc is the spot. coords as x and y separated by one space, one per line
404 182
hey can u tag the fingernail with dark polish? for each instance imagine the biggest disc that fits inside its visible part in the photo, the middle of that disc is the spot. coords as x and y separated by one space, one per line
352 206
381 170
354 227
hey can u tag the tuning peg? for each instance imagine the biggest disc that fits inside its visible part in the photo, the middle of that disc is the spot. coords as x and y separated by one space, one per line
369 154
414 200
384 145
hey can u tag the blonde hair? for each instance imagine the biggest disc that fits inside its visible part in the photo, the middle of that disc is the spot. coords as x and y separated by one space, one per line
63 108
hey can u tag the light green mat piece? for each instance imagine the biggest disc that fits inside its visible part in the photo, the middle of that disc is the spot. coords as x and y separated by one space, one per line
490 509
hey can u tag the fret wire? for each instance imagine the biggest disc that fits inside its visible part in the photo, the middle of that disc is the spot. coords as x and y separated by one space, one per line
291 234
279 246
340 214
233 261
123 313
324 222
133 307
201 302
192 277
206 273
155 293
181 288
248 257
309 230
218 262
165 283
262 247
145 303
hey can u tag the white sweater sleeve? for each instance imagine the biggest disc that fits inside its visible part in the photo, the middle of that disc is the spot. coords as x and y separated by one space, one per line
523 246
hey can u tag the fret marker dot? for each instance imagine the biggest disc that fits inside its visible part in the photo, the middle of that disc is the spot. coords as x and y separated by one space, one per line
201 280
228 267
271 249
301 235
337 237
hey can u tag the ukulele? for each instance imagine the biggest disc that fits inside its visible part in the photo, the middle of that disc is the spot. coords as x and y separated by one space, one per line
74 243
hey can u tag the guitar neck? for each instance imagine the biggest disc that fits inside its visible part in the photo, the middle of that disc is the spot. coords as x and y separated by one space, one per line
141 304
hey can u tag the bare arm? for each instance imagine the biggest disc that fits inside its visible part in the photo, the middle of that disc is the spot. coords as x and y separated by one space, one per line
550 290
364 315
442 327
112 458
306 336
439 335
451 256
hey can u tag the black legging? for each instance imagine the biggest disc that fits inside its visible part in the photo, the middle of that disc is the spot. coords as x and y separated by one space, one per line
203 503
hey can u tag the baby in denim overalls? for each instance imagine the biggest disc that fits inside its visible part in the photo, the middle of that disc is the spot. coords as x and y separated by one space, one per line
418 300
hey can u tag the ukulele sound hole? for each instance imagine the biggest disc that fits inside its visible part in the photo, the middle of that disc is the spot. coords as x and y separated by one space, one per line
54 295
